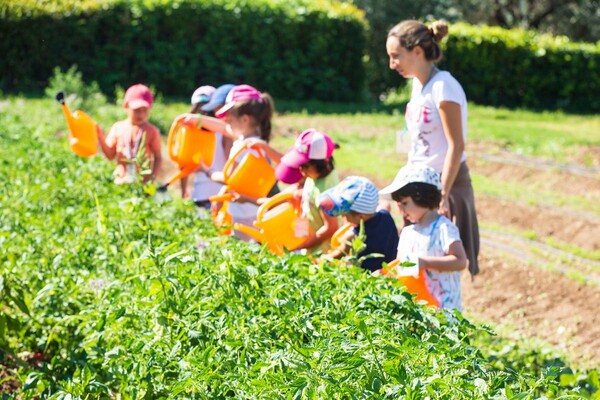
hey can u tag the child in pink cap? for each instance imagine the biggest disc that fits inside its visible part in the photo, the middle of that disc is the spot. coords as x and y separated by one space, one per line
246 118
125 138
311 158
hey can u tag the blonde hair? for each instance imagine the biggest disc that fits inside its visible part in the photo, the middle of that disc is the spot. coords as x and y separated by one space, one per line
413 33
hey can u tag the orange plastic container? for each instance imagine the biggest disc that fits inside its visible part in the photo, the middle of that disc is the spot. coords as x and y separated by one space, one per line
336 239
253 176
275 220
414 284
83 136
222 219
188 146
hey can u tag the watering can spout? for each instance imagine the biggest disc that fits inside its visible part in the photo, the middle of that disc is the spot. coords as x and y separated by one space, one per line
252 232
82 129
60 97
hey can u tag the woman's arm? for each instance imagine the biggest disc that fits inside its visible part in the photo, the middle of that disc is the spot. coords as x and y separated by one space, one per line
452 122
455 260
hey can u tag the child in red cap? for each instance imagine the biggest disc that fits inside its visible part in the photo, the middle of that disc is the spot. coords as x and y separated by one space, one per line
125 138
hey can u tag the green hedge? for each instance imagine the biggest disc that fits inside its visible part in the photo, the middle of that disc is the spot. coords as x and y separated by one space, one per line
519 68
296 49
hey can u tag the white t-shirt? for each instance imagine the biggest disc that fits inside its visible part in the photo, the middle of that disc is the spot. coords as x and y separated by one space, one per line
433 240
242 212
429 144
204 187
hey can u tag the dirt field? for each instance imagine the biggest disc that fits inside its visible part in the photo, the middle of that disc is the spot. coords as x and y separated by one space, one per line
525 285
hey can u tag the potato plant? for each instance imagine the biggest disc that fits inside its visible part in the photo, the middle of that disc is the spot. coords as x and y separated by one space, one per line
104 294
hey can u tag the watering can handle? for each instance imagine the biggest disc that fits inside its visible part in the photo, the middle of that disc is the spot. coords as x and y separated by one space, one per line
229 164
221 198
336 238
390 266
273 201
171 137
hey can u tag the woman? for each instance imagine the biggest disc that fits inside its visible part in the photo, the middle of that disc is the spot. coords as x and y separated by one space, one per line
436 117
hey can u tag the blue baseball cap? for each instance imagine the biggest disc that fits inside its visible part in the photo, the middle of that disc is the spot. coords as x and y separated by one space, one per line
217 98
354 193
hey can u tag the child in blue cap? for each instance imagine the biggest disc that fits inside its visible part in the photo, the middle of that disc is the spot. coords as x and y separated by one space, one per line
356 198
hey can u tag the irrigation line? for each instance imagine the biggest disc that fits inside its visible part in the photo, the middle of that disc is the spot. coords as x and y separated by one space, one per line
510 244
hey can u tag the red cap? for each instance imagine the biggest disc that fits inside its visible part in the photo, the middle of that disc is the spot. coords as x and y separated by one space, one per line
138 96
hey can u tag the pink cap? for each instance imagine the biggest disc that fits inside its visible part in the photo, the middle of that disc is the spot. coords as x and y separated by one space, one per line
238 93
286 174
138 96
310 145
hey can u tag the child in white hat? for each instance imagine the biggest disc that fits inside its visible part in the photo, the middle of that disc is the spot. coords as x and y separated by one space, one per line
432 242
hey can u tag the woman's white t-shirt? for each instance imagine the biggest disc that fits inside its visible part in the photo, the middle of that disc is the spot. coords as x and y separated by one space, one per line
429 143
433 240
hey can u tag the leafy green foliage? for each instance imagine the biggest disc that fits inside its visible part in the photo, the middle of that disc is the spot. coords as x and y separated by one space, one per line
522 68
79 94
293 49
108 286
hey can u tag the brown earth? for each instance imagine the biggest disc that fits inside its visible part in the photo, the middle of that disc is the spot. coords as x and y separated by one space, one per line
511 290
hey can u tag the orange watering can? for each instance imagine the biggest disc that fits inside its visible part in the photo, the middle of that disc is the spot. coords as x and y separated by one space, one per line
83 136
275 220
222 219
336 239
253 176
414 284
188 146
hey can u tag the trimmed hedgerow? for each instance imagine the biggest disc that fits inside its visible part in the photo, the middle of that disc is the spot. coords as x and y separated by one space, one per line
295 49
521 68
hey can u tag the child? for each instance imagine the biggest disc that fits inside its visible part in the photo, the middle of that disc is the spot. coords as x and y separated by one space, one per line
200 97
207 101
245 117
126 137
356 198
311 157
432 242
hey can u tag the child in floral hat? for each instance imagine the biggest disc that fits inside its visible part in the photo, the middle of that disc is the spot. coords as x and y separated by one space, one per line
432 242
356 199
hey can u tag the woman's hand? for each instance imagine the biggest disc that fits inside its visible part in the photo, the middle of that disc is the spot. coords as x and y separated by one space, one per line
444 208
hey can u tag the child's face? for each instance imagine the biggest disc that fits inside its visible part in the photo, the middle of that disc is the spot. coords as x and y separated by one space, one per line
138 116
353 218
240 125
410 210
308 170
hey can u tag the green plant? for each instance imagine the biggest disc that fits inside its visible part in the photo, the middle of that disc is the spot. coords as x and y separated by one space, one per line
79 95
